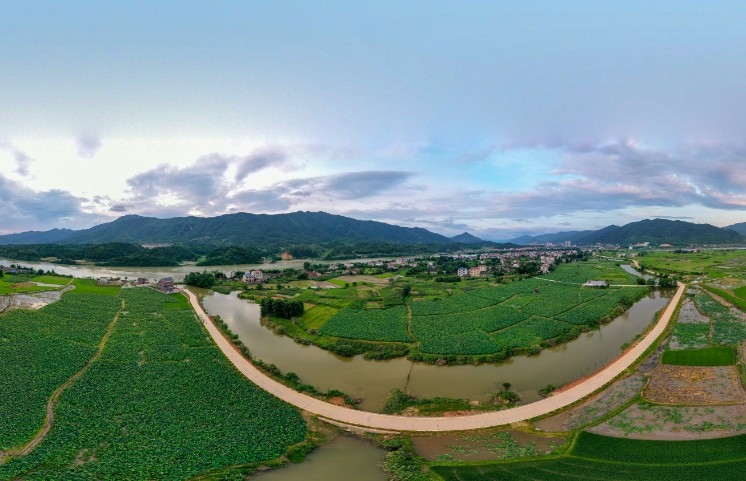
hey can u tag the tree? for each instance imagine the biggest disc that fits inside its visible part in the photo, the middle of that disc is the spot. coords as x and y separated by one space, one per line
204 279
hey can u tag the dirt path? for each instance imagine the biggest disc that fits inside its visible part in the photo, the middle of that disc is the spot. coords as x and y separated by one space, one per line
49 421
376 421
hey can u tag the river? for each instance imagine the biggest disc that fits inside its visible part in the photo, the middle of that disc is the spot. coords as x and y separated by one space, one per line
346 457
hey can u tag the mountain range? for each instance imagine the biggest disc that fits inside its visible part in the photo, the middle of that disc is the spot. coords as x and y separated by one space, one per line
240 229
307 228
655 231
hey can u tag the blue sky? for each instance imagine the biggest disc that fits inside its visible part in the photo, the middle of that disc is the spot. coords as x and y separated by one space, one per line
500 118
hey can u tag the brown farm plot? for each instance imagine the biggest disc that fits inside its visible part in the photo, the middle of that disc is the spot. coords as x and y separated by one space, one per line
690 385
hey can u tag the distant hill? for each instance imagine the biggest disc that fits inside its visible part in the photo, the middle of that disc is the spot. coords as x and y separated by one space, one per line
664 231
36 237
655 231
556 238
239 229
466 238
740 227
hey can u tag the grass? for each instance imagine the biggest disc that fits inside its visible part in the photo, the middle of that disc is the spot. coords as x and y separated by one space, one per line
596 457
316 317
7 287
710 356
88 286
61 281
740 292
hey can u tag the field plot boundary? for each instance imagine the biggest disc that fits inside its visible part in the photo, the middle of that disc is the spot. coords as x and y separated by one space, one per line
378 421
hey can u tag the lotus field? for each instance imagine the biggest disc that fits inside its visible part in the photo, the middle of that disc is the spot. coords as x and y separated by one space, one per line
41 349
161 402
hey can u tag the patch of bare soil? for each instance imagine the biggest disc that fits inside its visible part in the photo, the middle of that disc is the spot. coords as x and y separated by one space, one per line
720 300
4 302
688 314
644 421
324 285
610 399
35 300
484 446
338 401
691 385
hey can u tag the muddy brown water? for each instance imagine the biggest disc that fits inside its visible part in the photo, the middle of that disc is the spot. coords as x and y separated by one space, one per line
373 380
344 458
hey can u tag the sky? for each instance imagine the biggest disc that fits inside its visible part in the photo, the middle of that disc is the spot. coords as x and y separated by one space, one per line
499 118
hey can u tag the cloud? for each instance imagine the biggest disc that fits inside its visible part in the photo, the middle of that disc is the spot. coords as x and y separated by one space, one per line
357 185
22 160
258 161
616 176
88 145
25 209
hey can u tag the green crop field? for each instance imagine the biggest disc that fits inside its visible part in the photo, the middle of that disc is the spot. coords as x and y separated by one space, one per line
711 356
728 326
370 324
41 349
713 264
601 458
162 402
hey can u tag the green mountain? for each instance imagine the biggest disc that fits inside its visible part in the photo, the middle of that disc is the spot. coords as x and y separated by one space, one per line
655 231
556 238
740 227
243 229
663 231
466 238
36 237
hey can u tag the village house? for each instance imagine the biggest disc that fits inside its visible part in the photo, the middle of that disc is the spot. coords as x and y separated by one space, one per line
462 272
253 277
475 272
165 285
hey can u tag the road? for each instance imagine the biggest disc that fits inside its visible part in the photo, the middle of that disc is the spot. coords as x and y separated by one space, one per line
387 422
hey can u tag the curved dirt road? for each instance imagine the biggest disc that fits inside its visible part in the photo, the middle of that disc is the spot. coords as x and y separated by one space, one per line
387 422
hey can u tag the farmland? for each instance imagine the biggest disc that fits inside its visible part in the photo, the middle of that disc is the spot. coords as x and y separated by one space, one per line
707 264
160 403
606 458
711 356
40 350
715 324
478 320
